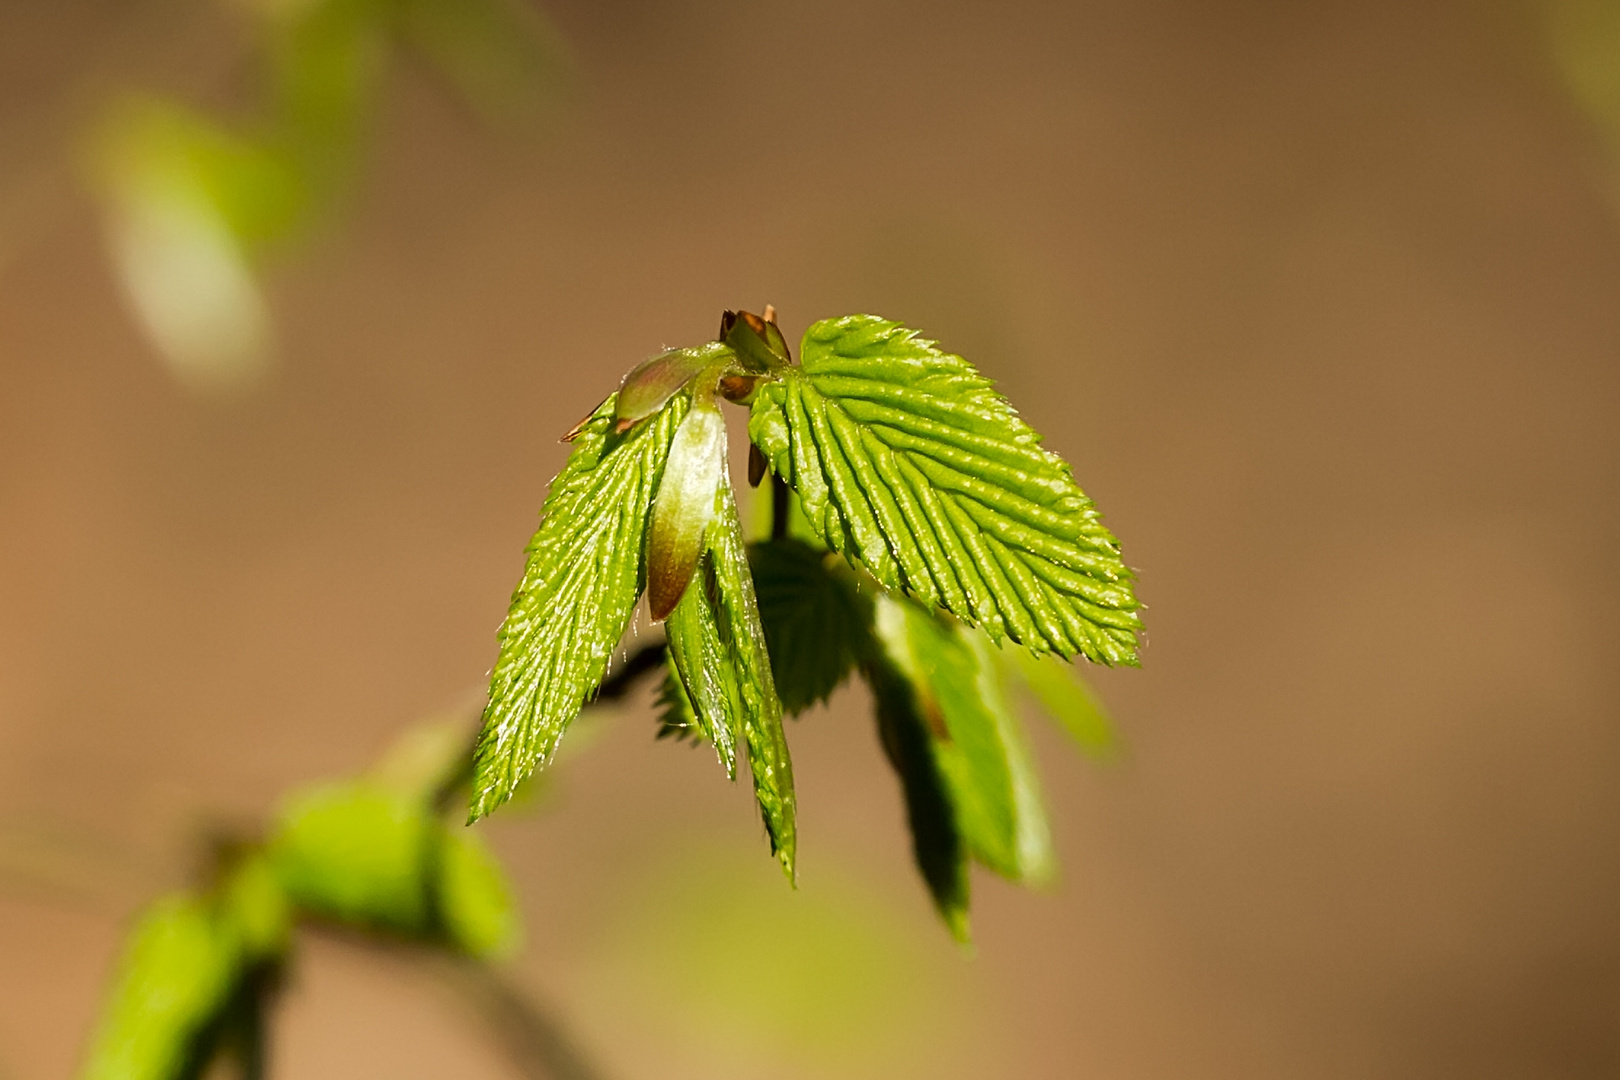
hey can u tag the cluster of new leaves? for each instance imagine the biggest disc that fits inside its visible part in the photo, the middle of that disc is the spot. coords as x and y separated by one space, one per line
940 552
375 854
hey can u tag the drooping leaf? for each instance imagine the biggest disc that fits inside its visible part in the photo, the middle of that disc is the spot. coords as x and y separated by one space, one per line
584 573
737 616
912 466
977 740
475 901
816 621
684 504
1064 696
175 977
936 842
706 671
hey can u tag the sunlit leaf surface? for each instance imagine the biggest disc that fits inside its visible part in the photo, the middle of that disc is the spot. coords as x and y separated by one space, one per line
380 858
737 613
359 854
584 574
475 900
910 464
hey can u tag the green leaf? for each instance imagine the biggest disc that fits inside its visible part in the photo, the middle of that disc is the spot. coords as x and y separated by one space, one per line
737 616
187 983
978 743
758 341
1064 695
254 906
176 975
475 900
380 859
706 672
936 842
684 504
677 718
584 573
359 854
817 623
909 464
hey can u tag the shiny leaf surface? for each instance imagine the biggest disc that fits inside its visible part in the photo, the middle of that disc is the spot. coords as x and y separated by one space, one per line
910 465
584 574
684 504
737 615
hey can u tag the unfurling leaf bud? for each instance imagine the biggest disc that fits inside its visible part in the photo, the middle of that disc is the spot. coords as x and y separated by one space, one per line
759 344
654 381
684 504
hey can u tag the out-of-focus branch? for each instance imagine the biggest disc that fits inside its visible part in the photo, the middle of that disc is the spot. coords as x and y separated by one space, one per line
533 1040
530 1037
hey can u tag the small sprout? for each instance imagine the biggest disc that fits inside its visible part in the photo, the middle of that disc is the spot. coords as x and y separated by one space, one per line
758 342
685 504
651 383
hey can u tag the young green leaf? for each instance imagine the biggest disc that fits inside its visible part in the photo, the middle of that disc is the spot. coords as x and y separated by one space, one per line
737 616
909 464
817 623
685 503
584 573
978 743
381 859
476 906
936 842
359 854
758 341
705 669
174 978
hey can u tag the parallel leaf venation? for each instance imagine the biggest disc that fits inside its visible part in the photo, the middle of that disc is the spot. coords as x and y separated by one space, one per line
909 464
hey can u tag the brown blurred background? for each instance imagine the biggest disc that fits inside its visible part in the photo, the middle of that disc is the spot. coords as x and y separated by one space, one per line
1323 303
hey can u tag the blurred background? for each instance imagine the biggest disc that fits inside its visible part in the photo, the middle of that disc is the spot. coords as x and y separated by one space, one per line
1322 301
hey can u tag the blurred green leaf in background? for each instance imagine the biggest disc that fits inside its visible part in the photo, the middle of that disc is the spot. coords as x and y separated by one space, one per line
375 854
197 204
